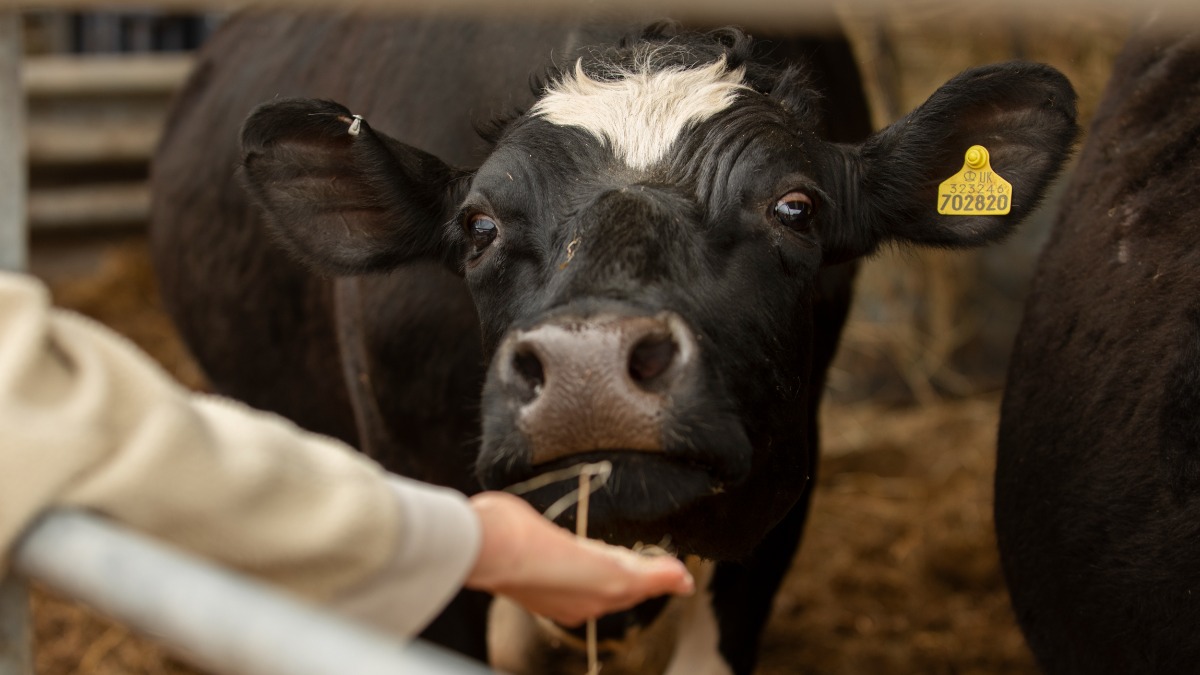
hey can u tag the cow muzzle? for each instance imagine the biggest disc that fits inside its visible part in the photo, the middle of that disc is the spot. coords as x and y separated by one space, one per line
598 384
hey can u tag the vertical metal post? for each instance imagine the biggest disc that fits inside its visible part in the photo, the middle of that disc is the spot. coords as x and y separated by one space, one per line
16 638
16 656
13 177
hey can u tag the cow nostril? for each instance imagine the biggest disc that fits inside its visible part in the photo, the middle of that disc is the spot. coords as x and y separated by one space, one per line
528 368
651 357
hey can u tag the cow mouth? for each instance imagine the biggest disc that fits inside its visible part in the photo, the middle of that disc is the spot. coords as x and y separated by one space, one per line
643 492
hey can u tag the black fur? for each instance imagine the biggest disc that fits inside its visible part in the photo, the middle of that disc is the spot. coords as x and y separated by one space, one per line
1098 472
303 165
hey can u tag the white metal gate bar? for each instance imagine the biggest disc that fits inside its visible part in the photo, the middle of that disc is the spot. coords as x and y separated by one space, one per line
217 618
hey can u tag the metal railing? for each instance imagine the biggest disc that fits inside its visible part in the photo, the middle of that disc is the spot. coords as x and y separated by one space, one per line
16 654
95 117
214 617
12 146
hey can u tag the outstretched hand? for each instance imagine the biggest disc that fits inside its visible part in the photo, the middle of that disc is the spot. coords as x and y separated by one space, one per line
554 574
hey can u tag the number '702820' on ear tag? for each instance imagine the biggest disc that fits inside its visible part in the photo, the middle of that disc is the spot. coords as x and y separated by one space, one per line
976 190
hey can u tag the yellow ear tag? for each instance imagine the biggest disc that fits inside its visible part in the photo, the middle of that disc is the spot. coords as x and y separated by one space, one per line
975 190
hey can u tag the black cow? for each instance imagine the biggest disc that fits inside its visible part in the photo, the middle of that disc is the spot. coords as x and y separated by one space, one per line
647 261
1098 475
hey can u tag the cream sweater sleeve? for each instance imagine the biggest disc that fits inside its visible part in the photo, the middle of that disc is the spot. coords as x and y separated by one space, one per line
88 420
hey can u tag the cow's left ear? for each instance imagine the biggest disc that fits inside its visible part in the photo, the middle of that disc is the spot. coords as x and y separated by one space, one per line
1023 114
342 197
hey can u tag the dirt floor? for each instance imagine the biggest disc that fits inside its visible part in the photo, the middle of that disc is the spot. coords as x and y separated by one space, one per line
897 573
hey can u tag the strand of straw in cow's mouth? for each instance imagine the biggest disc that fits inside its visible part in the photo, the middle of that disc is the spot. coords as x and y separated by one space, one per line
591 477
599 473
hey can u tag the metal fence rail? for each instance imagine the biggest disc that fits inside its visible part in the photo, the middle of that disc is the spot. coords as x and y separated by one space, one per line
96 120
16 657
219 619
12 146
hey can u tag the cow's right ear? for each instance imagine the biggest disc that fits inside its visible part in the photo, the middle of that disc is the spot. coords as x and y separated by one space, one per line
342 197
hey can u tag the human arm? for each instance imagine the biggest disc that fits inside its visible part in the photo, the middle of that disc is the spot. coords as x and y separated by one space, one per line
87 420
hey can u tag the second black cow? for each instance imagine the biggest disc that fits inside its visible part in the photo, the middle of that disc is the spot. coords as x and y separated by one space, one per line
1098 471
649 261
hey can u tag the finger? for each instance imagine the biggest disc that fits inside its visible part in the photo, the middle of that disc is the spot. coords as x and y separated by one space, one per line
653 575
661 575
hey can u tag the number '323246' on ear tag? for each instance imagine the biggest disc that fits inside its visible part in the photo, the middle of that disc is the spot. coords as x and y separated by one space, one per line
976 190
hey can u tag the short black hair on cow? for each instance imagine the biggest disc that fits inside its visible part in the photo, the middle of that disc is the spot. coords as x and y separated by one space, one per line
667 45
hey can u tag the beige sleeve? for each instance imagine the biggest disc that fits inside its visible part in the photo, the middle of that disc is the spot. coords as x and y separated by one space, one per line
88 420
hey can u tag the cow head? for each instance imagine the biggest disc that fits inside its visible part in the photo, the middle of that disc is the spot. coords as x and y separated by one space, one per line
644 247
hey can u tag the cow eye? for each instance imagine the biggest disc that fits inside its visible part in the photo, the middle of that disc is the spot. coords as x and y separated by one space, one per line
482 230
794 210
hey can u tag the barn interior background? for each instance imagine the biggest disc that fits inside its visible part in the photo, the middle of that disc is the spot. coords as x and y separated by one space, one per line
897 572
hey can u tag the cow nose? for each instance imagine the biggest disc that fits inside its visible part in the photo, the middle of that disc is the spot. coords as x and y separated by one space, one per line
595 384
655 349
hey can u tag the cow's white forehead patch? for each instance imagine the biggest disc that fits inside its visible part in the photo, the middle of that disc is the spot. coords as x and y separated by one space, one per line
641 114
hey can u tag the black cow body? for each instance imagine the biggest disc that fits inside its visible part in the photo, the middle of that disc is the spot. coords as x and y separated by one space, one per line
657 246
1098 474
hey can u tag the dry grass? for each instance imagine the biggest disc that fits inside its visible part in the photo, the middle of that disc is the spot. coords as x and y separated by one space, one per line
71 639
898 572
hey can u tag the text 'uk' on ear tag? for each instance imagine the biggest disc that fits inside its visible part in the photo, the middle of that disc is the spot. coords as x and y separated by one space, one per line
975 190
